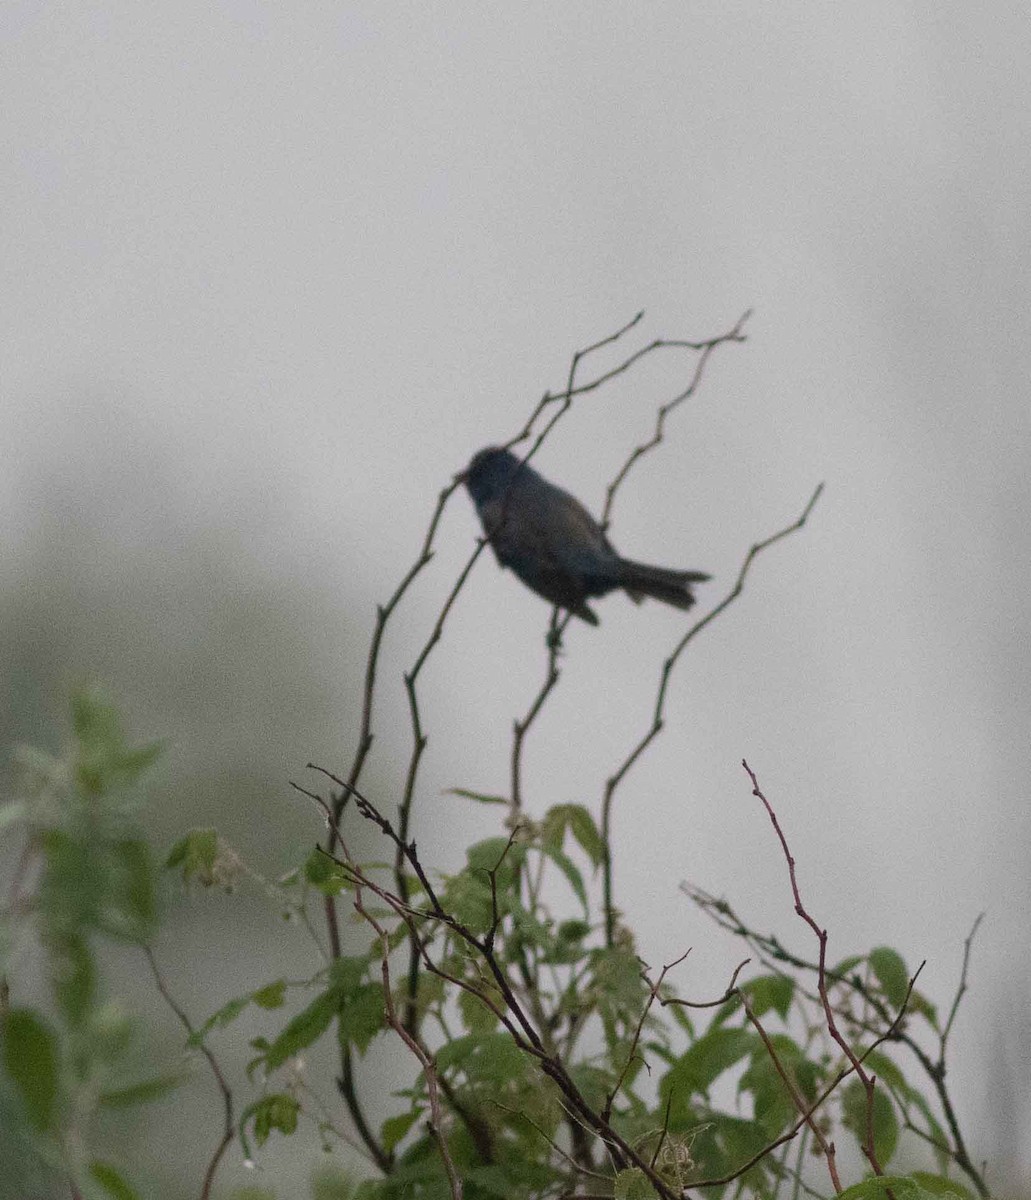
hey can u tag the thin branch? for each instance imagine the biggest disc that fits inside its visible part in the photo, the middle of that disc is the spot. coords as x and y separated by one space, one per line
960 990
797 1098
803 1121
727 995
771 953
706 348
429 1071
868 1081
658 714
557 626
228 1128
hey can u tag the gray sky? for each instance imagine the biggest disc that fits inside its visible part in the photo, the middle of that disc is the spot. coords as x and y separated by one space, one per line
270 276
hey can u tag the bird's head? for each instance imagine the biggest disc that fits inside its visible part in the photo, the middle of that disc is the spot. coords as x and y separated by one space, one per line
489 473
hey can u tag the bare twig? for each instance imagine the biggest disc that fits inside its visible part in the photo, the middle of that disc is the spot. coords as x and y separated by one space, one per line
771 952
868 1081
557 625
804 1117
960 991
228 1128
436 1123
639 451
658 713
797 1098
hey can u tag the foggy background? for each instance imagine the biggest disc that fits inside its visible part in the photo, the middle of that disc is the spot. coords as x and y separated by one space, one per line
271 277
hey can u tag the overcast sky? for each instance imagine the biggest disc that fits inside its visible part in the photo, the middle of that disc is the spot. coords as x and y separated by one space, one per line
272 273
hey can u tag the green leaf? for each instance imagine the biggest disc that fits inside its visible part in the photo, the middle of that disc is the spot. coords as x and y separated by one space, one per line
479 797
879 1064
701 1064
468 898
131 909
30 1059
573 876
455 1051
394 1129
362 1016
890 969
323 873
476 1016
854 1110
632 1184
104 760
346 973
876 1187
845 968
271 995
111 1181
770 992
142 1092
196 854
580 824
939 1185
495 854
74 975
218 1020
774 1107
278 1111
307 1027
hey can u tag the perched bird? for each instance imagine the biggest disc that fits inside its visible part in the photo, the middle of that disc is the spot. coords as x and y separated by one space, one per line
554 544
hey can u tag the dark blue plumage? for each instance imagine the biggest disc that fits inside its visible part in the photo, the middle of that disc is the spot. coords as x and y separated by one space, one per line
554 544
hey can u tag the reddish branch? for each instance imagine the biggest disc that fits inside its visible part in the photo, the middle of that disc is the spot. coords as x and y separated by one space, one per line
868 1081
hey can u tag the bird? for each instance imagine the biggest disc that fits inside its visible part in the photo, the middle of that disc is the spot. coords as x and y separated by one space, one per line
554 545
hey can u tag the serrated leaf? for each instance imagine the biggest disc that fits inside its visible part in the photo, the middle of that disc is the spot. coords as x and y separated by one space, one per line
112 1181
879 1064
278 1111
362 1016
573 876
476 1016
30 1059
580 824
890 969
940 1185
770 992
876 1187
394 1129
347 972
854 1110
307 1027
495 854
702 1064
323 873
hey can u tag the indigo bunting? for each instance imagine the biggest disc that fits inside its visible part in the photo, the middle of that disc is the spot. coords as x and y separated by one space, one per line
554 544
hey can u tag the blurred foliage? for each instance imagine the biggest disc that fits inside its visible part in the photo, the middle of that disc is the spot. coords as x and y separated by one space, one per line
694 1092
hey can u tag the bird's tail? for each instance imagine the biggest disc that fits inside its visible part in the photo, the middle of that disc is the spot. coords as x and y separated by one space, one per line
672 587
